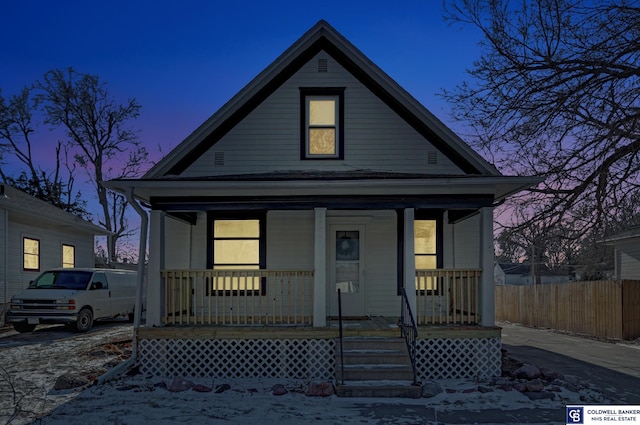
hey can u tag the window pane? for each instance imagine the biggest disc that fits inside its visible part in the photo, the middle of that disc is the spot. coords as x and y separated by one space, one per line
425 236
425 262
236 252
322 112
236 229
31 246
31 254
68 256
322 141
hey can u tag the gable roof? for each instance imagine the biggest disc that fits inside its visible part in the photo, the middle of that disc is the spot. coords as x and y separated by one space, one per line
321 37
15 200
630 234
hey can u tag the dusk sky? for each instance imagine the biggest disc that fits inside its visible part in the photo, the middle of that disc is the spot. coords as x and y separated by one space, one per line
182 60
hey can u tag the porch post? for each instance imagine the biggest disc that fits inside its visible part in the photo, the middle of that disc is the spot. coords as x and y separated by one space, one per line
410 258
155 286
486 295
320 269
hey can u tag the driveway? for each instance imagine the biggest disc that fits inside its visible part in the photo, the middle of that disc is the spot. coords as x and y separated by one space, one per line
614 368
30 364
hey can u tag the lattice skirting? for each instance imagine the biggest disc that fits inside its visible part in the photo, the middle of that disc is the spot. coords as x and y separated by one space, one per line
456 358
440 358
238 358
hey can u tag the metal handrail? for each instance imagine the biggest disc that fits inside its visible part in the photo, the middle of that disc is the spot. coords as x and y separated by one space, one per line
409 331
341 337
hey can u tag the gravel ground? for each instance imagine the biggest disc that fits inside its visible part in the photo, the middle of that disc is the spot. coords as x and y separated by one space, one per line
31 363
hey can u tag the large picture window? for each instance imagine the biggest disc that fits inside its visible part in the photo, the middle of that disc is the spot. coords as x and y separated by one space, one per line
31 254
237 244
322 112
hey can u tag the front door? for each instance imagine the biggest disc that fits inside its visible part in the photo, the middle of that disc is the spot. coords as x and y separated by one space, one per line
346 270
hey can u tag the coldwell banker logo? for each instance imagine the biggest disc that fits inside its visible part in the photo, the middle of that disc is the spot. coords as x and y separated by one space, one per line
575 415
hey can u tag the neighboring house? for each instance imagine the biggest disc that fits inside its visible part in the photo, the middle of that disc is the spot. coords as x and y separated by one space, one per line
35 236
626 253
512 274
520 274
321 174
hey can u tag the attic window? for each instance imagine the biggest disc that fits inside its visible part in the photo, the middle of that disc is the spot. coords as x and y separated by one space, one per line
322 116
323 65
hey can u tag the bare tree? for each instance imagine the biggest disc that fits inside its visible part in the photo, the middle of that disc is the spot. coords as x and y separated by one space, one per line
556 93
16 129
97 126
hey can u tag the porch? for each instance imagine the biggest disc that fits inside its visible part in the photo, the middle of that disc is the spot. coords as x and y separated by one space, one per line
286 298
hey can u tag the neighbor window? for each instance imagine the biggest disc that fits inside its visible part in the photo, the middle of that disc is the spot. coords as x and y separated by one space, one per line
427 255
31 254
237 244
68 256
322 123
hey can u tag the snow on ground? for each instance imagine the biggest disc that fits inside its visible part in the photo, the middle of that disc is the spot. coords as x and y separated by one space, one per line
31 363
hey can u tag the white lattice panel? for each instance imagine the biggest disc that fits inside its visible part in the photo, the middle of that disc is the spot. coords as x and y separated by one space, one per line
238 358
458 358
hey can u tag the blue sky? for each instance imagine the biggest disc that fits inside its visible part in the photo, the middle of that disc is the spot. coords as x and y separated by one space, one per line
182 60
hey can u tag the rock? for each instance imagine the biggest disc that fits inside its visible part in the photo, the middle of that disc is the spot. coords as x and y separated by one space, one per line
520 387
550 375
535 386
450 391
469 390
69 381
279 389
485 390
323 389
222 388
201 388
180 384
527 372
541 395
505 387
555 389
431 389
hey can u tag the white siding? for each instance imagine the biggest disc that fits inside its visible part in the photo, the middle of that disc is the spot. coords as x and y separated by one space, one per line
269 138
290 240
466 244
177 244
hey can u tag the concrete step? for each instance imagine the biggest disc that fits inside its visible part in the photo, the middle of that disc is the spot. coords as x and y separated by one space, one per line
397 344
368 372
374 357
386 389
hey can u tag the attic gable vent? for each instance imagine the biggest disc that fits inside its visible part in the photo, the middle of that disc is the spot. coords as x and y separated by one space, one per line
218 159
323 65
432 158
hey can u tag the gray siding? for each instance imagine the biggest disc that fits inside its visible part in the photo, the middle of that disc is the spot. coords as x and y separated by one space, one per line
630 259
269 138
51 239
466 244
177 244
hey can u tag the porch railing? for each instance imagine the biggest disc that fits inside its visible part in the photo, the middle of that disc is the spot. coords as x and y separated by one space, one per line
238 297
409 331
447 296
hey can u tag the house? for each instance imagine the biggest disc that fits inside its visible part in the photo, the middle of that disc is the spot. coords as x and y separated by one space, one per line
322 174
626 253
35 236
520 274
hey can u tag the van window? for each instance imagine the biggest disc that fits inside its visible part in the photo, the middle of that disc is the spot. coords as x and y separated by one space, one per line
100 278
63 280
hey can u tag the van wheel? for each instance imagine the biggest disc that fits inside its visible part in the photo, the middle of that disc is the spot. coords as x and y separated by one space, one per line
85 320
23 327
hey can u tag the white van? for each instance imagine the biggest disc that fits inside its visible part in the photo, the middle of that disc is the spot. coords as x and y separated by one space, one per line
74 296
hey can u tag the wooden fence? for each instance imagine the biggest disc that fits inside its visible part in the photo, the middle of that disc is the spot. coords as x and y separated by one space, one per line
609 309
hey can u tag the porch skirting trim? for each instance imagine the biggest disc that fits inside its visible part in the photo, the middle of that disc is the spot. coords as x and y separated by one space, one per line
238 358
436 358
